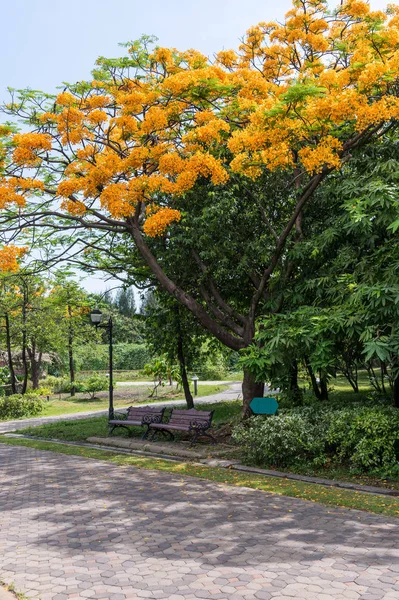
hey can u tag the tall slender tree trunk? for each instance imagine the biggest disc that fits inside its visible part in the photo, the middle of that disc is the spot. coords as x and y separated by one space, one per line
70 352
323 387
295 390
313 380
9 355
24 344
396 391
183 371
35 365
250 390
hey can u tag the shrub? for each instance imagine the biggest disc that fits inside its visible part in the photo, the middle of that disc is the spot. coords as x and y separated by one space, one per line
280 440
126 357
57 385
212 372
41 391
18 405
130 357
94 384
365 438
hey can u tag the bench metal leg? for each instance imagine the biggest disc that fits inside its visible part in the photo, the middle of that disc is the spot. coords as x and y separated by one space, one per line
154 432
111 428
194 438
165 433
147 431
210 436
198 433
124 426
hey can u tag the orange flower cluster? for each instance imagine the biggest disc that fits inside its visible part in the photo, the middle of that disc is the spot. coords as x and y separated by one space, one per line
290 96
9 257
159 219
28 147
14 189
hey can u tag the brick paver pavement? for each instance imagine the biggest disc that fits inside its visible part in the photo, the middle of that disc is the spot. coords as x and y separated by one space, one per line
71 527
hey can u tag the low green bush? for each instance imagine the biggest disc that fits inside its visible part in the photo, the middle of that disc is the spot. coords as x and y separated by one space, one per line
18 405
126 357
365 438
280 440
57 385
94 384
41 391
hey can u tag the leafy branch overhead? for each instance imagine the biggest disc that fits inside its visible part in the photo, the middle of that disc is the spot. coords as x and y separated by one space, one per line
131 157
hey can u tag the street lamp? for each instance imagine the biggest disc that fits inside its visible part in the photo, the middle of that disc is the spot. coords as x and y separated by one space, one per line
96 317
194 379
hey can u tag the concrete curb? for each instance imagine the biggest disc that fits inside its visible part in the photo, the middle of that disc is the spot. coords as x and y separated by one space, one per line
366 489
222 463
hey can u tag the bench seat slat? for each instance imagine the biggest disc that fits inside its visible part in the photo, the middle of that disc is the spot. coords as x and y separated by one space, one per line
168 426
124 422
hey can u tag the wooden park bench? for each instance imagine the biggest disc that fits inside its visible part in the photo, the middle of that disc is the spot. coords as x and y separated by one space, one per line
139 416
195 422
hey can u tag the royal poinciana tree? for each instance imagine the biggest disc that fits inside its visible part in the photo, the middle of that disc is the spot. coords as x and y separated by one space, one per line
118 156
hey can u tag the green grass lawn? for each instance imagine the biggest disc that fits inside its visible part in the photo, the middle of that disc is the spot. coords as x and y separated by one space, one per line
124 396
78 431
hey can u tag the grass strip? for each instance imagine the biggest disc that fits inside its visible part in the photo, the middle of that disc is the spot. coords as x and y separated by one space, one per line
312 492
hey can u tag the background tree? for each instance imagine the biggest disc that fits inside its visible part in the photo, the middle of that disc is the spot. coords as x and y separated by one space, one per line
115 159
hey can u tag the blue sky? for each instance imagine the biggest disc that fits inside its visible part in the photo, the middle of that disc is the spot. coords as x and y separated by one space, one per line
44 43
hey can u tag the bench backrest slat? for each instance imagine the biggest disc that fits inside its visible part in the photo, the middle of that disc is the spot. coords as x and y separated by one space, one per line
185 417
141 411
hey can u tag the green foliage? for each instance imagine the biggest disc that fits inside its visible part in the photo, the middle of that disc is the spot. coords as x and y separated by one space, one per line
18 406
161 370
363 437
5 376
94 384
279 440
55 384
368 438
126 357
130 356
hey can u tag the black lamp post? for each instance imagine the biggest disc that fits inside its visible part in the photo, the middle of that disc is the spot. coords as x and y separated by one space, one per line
96 317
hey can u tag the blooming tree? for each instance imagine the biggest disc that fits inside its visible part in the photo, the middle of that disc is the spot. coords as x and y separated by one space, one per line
120 153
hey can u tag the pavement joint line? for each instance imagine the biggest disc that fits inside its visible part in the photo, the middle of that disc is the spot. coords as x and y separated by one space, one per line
221 463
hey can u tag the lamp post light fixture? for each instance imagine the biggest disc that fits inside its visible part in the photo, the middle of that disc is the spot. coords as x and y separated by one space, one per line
96 319
194 379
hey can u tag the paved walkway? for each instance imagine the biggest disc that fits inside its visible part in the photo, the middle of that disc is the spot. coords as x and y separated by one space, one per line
232 393
72 528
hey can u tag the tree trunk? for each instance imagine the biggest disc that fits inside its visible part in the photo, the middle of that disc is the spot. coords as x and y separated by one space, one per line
24 358
313 380
323 387
35 364
294 389
70 352
250 389
183 372
396 391
9 354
